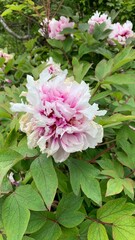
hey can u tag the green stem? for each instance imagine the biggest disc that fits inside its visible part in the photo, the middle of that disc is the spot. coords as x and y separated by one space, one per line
27 178
95 89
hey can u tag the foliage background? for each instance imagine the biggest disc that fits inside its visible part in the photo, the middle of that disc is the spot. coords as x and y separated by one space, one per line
91 195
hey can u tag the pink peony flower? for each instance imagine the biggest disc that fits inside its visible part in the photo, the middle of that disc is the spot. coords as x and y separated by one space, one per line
99 18
55 27
121 32
59 118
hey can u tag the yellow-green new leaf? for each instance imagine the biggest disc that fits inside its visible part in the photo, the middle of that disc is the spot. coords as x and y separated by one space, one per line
97 232
114 186
115 209
124 228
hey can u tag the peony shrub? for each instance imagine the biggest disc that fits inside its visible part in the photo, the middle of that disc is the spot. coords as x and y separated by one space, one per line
67 130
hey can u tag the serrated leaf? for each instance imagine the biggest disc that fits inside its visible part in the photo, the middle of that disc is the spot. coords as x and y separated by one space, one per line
15 218
50 231
124 228
115 209
83 174
45 178
29 198
97 232
67 213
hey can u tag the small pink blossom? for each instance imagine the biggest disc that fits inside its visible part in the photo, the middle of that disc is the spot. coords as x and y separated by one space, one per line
99 18
12 180
8 80
6 56
121 32
59 119
55 27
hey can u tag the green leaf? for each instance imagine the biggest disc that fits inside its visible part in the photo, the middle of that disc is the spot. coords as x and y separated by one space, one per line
80 69
23 149
128 185
114 186
4 113
37 221
66 11
115 119
103 51
99 31
125 56
86 48
120 79
1 238
29 198
69 234
83 174
15 7
8 158
100 95
111 168
50 231
103 69
67 44
67 213
55 43
97 232
68 31
9 66
127 158
115 209
15 218
124 228
45 178
27 238
6 12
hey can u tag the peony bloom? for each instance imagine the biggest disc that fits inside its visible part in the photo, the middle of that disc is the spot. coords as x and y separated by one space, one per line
6 56
59 118
99 18
121 32
55 27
